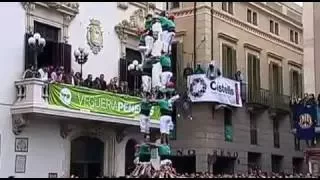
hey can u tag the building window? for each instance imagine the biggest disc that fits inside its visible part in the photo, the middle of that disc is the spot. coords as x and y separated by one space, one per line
275 78
274 27
54 53
271 26
253 76
229 61
253 130
296 144
252 17
294 36
174 5
228 130
134 83
295 83
227 7
276 134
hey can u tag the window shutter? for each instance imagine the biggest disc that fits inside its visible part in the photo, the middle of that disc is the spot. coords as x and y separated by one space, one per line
224 6
234 62
257 74
280 82
230 7
224 60
123 71
67 57
28 54
271 76
300 85
292 90
250 77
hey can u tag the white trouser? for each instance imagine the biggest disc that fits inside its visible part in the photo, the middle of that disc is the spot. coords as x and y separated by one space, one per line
157 48
144 124
157 30
165 124
165 78
167 40
156 73
146 83
149 44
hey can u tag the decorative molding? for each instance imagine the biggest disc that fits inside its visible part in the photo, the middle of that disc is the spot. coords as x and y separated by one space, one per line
19 122
275 56
21 144
243 26
65 130
121 133
252 47
123 5
295 64
70 8
95 36
228 37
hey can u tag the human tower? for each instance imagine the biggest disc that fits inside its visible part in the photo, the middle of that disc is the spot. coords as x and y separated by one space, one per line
158 88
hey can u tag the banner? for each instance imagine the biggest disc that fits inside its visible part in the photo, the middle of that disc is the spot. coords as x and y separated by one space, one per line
220 89
305 117
81 98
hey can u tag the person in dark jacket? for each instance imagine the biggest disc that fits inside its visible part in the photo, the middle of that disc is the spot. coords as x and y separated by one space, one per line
103 83
88 82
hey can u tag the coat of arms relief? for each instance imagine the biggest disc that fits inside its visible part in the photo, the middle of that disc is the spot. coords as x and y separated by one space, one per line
95 36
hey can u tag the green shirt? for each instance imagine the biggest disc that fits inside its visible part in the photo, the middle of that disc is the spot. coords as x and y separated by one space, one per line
171 24
145 107
144 153
165 107
199 70
148 25
164 22
165 61
164 150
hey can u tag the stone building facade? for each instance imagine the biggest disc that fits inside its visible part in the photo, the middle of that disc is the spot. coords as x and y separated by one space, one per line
264 40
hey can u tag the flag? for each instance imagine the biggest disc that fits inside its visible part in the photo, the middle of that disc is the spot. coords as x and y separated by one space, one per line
305 121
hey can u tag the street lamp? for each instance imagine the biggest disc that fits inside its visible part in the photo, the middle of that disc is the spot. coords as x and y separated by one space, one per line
37 43
81 56
135 69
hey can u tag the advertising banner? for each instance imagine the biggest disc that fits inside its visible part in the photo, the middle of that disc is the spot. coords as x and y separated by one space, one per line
221 90
96 101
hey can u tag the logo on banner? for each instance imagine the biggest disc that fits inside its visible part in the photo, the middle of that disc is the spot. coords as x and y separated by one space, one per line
198 87
65 96
305 121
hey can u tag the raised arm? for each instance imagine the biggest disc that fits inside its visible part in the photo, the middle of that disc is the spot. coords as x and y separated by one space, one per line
174 98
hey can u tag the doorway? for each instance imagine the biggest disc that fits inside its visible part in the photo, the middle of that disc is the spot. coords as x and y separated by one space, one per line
87 154
130 151
223 165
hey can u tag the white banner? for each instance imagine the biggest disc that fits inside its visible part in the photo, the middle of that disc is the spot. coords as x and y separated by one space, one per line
220 89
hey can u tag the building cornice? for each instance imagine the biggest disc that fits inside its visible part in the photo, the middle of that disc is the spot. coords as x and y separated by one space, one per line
65 8
252 47
244 26
228 37
295 64
277 14
275 56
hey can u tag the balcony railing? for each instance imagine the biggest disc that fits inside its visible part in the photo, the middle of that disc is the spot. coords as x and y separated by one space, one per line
280 102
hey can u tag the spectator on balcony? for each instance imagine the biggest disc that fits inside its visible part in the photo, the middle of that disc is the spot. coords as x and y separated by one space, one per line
96 84
103 83
78 81
28 73
69 78
44 76
57 75
88 82
199 70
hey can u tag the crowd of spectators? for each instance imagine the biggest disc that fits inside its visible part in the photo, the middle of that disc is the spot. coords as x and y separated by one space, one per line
57 74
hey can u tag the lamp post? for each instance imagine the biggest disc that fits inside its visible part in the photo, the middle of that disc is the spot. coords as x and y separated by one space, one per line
135 69
81 56
37 43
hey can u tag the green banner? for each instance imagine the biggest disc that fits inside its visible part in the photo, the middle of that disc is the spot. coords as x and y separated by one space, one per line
81 98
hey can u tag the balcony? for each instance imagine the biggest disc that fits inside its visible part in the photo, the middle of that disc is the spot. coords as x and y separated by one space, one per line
255 99
279 104
33 98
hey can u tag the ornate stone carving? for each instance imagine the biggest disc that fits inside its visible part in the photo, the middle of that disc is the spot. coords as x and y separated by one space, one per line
28 5
123 5
120 134
120 30
19 122
54 5
95 36
65 130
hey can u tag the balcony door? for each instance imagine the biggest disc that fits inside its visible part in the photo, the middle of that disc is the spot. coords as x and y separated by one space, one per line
275 75
253 76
